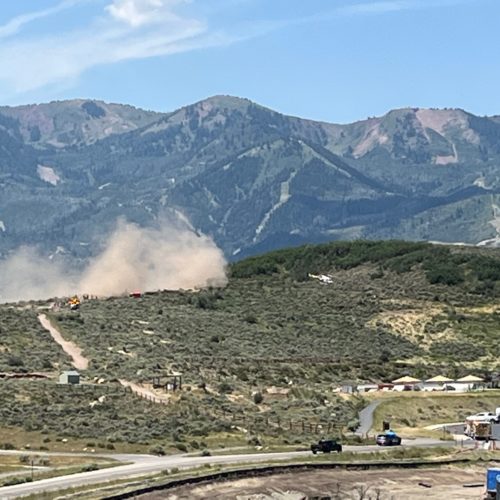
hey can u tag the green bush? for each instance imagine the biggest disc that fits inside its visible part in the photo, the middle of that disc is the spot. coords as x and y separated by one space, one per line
258 398
157 450
89 467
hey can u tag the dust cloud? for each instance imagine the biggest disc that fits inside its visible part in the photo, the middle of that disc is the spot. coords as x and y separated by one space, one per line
134 258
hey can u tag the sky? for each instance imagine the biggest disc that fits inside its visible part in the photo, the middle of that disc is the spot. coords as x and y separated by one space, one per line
330 60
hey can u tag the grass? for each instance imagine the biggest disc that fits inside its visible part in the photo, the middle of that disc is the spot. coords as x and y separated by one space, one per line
110 418
24 345
409 413
52 466
9 463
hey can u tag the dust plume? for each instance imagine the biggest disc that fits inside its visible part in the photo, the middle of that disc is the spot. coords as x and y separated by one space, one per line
27 275
134 258
151 259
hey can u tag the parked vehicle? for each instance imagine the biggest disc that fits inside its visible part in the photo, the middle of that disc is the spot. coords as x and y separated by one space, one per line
388 439
326 446
484 416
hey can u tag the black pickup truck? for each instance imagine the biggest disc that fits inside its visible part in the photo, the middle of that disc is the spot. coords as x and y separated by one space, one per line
326 446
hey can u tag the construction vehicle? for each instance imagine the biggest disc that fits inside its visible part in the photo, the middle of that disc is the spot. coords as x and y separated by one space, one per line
74 303
478 429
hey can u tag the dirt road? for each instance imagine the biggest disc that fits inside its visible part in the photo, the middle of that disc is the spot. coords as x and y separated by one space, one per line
72 350
145 392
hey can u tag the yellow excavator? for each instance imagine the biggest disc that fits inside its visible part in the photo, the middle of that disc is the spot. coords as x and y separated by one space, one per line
74 303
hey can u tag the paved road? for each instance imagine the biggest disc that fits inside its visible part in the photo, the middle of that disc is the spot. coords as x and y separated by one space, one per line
366 418
148 464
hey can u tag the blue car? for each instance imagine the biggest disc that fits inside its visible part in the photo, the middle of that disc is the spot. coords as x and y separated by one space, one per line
388 439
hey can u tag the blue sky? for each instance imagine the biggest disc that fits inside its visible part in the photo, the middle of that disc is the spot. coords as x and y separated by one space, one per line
332 60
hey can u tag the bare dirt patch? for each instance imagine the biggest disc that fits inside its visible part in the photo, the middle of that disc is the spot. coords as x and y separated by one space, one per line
411 324
79 361
389 484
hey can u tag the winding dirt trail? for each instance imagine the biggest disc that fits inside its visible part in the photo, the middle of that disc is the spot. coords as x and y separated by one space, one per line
72 350
144 392
80 362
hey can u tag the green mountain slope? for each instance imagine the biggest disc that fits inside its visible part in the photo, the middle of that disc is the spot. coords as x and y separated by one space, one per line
252 178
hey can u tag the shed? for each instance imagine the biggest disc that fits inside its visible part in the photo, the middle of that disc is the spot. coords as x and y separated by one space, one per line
385 387
468 383
407 383
69 377
347 389
367 387
437 383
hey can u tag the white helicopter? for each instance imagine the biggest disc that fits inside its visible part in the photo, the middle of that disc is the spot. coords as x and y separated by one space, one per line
323 278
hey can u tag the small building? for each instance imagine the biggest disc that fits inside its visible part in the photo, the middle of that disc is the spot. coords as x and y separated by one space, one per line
347 389
385 387
70 377
367 387
468 383
407 383
437 383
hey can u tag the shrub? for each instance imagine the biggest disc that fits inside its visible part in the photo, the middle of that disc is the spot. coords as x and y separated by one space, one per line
254 441
157 450
445 273
353 424
89 467
14 361
258 398
225 388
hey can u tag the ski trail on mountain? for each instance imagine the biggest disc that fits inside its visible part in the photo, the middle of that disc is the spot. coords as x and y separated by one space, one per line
284 197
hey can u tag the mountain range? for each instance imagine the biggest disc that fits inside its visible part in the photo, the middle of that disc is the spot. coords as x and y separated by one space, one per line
251 178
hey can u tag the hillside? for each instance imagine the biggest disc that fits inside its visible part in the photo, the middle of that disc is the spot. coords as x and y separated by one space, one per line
392 308
251 178
77 122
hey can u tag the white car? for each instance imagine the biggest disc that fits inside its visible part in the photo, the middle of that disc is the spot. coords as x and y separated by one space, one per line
483 416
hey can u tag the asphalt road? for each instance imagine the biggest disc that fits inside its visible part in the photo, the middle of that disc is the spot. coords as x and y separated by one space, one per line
148 464
366 418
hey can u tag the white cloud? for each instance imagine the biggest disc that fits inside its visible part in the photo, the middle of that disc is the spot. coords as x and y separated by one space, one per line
127 29
139 12
136 29
16 23
376 7
383 6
